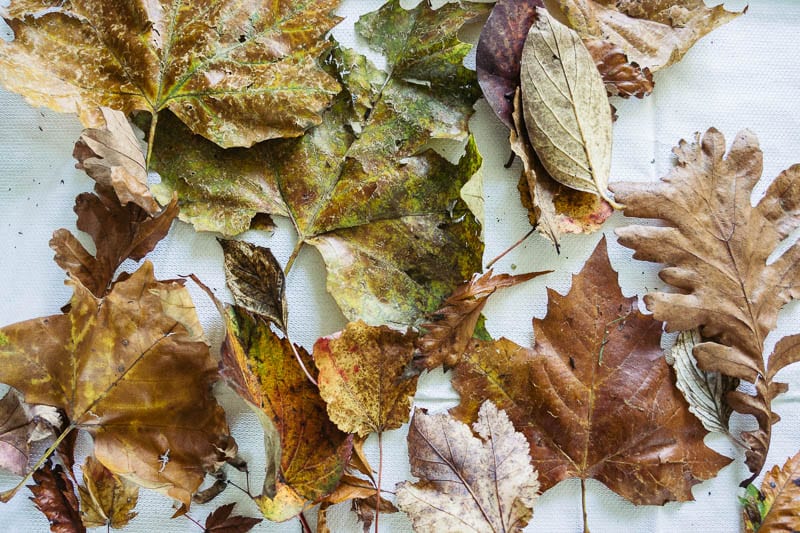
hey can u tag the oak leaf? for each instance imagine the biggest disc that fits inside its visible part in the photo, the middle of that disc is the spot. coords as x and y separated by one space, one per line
716 246
54 495
126 369
20 425
306 452
776 507
221 521
484 484
384 211
107 499
453 325
236 73
594 396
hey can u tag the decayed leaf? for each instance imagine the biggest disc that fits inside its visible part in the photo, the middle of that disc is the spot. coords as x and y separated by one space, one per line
365 377
384 211
236 73
107 499
453 325
306 453
621 77
129 373
594 396
704 391
716 245
221 521
565 107
653 33
21 424
776 507
54 495
111 156
484 484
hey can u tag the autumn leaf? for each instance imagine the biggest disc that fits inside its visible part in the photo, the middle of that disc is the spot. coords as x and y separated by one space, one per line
54 495
108 500
306 453
126 369
20 425
384 211
236 73
594 396
453 325
776 507
221 521
484 484
716 246
620 76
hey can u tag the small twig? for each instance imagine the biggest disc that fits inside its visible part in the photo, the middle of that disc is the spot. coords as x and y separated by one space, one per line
300 360
304 523
243 490
499 257
195 522
583 502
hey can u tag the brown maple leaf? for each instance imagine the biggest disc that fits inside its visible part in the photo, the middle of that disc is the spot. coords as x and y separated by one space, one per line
594 396
54 495
108 500
776 507
221 521
716 246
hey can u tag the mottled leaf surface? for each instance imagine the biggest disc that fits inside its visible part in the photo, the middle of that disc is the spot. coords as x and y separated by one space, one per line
235 72
54 495
776 507
107 499
221 521
716 246
482 483
21 424
594 396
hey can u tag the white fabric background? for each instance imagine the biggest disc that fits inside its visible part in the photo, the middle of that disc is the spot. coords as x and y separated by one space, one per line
744 75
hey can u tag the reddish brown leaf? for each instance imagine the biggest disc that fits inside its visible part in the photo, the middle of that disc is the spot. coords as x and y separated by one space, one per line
622 77
221 521
21 424
54 495
594 396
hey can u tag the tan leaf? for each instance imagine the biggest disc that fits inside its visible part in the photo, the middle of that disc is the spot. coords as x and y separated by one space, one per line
365 379
776 507
112 157
108 500
235 72
717 246
446 338
131 376
484 484
565 107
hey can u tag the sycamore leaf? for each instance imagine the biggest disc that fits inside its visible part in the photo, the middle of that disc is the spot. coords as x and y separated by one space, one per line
453 325
776 507
108 500
126 369
484 484
365 377
704 391
111 156
21 424
594 396
236 73
653 33
565 107
54 495
221 521
384 211
717 246
306 453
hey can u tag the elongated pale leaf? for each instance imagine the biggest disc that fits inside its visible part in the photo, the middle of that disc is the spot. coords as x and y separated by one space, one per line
776 507
565 106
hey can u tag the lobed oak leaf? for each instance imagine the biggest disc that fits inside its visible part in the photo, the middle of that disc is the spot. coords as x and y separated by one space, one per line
221 521
21 424
108 500
126 371
776 507
717 246
594 396
484 484
236 73
54 495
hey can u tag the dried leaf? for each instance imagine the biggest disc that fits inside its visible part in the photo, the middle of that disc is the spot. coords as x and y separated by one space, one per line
256 280
776 507
236 73
565 107
108 500
704 391
621 77
717 245
484 485
363 188
54 495
112 157
132 376
653 33
306 453
221 521
453 325
594 396
365 379
20 424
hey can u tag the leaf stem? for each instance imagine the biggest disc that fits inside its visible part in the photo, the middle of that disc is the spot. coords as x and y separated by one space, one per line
380 476
300 360
583 503
304 523
195 522
293 257
150 137
499 257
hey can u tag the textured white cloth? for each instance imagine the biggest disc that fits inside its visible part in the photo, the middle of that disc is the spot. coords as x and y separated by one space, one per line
744 75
